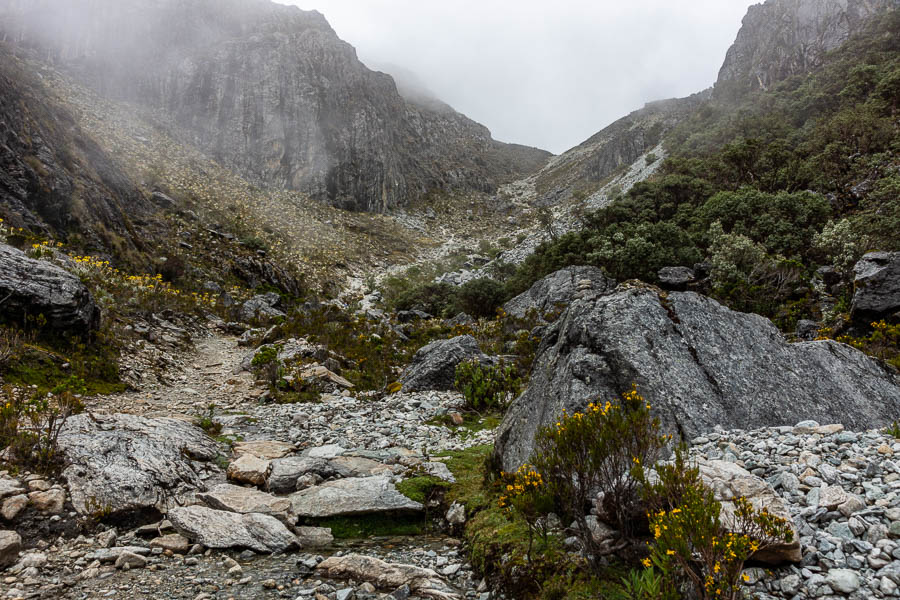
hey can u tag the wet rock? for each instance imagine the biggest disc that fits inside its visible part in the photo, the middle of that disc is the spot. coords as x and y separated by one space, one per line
433 367
32 287
222 529
352 496
125 462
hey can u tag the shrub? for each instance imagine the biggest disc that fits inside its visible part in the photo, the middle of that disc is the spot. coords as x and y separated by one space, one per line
487 387
693 542
598 450
266 363
480 297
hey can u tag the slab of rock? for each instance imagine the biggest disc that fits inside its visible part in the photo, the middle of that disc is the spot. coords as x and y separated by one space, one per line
384 575
121 463
285 472
357 466
698 364
248 469
175 542
10 546
352 496
546 299
876 285
223 529
263 449
433 367
729 481
37 287
243 500
48 502
112 554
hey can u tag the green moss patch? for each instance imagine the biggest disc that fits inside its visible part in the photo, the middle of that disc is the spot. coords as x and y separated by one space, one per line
422 488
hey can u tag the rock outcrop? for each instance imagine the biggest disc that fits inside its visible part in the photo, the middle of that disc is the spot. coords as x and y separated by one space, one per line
549 296
433 366
781 38
30 287
122 463
272 92
876 285
352 496
698 364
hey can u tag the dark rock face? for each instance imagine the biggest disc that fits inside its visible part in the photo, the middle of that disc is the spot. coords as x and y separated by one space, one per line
272 92
262 306
699 364
676 278
434 366
876 285
556 291
30 287
781 38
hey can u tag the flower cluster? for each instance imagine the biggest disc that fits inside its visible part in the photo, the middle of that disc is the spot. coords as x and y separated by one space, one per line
523 481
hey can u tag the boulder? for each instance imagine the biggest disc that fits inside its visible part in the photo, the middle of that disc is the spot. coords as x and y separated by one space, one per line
223 529
729 481
352 496
550 295
121 463
876 285
358 466
32 287
248 469
262 307
174 542
698 364
235 498
285 472
675 278
263 449
433 367
421 581
10 546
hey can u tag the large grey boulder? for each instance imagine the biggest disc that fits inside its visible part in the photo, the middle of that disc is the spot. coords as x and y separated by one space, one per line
235 498
550 295
286 471
433 367
876 285
30 287
698 364
352 496
223 529
119 463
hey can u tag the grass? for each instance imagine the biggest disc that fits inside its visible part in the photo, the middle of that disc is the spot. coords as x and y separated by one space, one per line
422 488
42 367
473 422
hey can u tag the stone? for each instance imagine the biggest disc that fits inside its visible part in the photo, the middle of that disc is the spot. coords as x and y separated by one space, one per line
352 496
129 560
433 366
456 514
357 466
10 487
546 298
110 555
675 278
174 542
695 376
807 330
10 546
49 502
31 287
248 469
321 373
222 529
845 581
422 582
876 285
13 505
729 481
261 307
852 505
310 537
285 472
263 449
119 463
833 496
234 498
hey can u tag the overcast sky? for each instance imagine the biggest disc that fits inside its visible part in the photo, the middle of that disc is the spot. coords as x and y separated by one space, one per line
542 73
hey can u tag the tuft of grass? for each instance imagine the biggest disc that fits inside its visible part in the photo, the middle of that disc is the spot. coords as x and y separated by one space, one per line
422 488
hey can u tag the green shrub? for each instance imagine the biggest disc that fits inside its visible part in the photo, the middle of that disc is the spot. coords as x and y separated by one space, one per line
480 297
598 450
485 386
266 362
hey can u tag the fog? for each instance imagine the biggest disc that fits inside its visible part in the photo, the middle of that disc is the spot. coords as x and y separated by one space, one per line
546 74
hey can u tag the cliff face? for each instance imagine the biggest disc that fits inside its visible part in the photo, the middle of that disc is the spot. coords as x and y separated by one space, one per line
781 38
271 91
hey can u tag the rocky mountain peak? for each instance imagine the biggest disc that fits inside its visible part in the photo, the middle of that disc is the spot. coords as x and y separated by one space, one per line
781 38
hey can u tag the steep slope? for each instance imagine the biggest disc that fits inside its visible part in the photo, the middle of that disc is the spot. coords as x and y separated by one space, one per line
272 92
781 38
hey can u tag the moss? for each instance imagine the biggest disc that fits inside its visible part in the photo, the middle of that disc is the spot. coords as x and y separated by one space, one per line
468 467
43 368
422 488
379 525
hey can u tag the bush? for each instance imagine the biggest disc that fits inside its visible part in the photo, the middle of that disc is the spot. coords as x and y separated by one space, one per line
487 387
480 297
266 362
598 450
692 542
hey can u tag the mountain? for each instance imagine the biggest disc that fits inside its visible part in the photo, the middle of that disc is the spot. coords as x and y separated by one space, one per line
271 92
